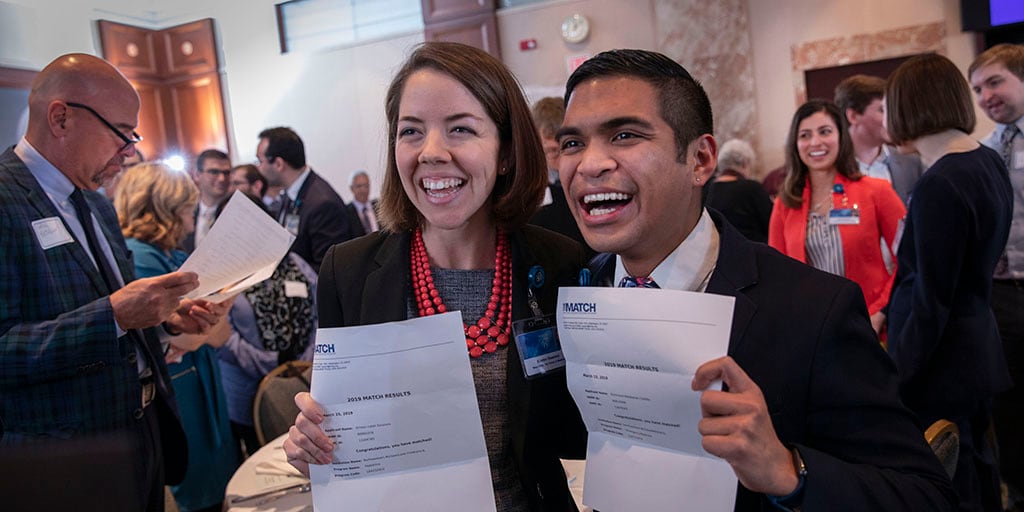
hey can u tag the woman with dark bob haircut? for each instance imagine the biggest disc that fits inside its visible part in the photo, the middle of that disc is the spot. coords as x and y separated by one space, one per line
942 334
465 170
828 214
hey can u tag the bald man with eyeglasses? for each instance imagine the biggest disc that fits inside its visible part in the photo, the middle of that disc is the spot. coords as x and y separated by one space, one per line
81 340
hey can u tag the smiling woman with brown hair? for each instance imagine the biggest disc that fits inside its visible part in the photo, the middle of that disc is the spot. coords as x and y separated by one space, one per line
465 170
828 214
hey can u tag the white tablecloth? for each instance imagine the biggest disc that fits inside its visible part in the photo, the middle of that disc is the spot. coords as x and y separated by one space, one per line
267 469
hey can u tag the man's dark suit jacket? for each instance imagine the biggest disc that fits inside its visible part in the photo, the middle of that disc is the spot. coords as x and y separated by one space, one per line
355 221
367 281
64 373
323 220
804 337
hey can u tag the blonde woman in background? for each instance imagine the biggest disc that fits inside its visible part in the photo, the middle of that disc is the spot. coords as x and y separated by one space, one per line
155 208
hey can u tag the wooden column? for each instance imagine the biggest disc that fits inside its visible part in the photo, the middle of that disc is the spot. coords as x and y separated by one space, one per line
176 72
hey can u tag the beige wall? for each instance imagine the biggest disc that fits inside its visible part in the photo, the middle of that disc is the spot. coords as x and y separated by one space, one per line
334 99
543 71
742 50
710 39
782 24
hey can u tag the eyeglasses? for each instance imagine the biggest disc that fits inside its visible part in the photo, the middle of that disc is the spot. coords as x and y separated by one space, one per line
136 138
218 172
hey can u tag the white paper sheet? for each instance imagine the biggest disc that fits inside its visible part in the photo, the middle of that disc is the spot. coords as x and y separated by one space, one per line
400 406
630 357
242 248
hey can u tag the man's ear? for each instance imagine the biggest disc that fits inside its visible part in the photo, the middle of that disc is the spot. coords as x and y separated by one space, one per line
57 118
851 117
704 152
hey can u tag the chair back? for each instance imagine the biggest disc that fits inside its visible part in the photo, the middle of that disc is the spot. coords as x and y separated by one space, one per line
943 437
274 408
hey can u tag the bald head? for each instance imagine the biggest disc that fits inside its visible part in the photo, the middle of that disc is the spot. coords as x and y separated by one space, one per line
78 77
82 111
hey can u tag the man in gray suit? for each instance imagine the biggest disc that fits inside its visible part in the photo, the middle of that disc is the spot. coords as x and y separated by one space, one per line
859 98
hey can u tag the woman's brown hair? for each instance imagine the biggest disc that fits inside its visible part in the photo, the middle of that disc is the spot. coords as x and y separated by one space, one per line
518 190
792 191
927 94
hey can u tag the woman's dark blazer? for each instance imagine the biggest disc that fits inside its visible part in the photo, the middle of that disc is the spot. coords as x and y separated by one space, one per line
367 281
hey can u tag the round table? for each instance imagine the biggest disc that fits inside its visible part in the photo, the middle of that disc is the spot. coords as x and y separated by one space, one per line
265 470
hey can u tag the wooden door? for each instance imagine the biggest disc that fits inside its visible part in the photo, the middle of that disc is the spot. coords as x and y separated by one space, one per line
177 74
470 22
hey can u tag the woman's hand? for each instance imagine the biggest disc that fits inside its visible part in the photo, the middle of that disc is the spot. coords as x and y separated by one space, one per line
307 443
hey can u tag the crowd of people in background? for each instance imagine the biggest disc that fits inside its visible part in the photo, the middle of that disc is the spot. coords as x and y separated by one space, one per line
882 185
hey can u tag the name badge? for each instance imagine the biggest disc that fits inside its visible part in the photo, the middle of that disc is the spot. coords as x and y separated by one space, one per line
539 349
296 289
844 216
51 232
291 223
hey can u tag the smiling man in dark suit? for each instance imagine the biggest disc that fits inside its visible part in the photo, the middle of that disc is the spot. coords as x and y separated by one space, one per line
80 348
311 209
811 416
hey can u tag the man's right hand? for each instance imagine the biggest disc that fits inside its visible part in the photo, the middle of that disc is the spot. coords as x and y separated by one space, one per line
307 443
148 302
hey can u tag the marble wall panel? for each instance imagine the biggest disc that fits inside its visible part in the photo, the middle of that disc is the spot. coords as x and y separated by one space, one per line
863 48
712 41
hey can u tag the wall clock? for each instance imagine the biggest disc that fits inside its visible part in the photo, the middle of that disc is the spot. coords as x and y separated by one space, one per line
575 28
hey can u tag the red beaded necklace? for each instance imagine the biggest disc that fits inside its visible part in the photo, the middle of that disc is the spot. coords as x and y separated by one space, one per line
491 330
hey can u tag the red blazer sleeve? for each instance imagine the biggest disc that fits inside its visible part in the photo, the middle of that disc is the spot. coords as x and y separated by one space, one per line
787 230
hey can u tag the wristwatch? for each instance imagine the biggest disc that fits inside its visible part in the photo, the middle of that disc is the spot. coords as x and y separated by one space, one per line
795 499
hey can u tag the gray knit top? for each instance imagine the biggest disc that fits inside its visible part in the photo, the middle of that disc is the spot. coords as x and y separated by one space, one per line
469 291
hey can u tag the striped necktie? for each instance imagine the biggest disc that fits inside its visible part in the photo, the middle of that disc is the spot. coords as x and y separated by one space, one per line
637 282
1006 139
365 218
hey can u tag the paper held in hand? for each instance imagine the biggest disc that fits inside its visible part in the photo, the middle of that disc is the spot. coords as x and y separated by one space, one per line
630 355
242 248
400 405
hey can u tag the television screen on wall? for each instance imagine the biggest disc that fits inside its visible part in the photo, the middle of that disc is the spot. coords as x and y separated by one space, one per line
1006 12
982 15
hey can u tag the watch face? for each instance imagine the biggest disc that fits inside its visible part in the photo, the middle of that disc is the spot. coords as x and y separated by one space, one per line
575 28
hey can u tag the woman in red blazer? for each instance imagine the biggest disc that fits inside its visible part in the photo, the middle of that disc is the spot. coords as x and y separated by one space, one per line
830 216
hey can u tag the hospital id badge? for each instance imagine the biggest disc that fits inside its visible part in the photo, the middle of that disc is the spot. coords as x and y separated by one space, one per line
539 349
291 223
844 216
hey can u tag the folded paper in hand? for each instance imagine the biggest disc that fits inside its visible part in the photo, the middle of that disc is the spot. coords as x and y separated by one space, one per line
242 248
